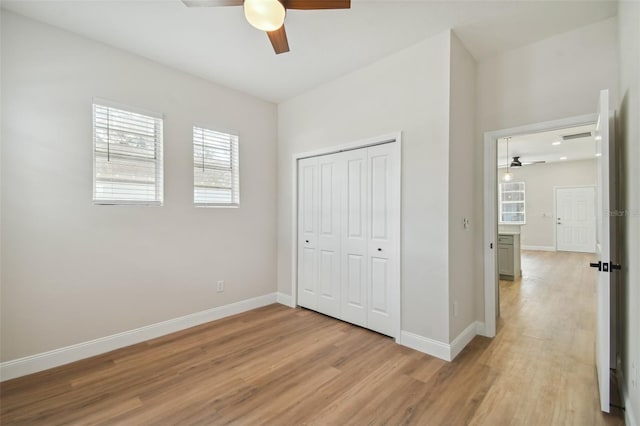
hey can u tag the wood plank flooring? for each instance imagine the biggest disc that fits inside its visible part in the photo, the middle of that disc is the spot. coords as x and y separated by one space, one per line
282 366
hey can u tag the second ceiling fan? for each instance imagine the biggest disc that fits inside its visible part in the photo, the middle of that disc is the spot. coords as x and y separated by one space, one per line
268 15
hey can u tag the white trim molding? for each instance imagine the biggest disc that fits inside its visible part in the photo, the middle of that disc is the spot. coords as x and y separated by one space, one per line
538 248
463 339
285 299
425 345
57 357
438 349
629 415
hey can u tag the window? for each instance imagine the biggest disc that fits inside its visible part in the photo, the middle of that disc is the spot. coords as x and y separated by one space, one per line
215 168
127 156
512 209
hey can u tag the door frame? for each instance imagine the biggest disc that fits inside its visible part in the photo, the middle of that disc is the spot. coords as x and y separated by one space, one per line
490 207
555 212
393 138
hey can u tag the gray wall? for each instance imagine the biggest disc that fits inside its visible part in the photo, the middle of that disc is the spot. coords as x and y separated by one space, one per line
463 279
628 144
73 271
540 180
407 91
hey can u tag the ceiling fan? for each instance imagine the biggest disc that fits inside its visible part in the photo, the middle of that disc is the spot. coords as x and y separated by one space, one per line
517 163
268 15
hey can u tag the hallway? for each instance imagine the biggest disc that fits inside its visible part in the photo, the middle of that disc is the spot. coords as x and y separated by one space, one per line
545 345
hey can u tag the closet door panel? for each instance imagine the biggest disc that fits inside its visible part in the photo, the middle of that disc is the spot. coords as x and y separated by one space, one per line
354 238
330 182
308 233
381 242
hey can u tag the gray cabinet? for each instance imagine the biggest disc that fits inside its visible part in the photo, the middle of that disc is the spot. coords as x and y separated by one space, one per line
509 256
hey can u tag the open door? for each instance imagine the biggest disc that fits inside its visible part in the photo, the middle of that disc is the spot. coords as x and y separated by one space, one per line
603 254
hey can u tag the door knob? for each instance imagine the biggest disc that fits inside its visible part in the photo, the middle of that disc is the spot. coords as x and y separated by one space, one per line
615 266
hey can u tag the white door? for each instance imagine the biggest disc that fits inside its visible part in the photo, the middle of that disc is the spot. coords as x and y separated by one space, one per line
348 236
308 233
602 252
331 177
576 219
355 238
383 259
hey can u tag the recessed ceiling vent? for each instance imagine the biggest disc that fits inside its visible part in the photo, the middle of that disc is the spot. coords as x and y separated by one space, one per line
576 136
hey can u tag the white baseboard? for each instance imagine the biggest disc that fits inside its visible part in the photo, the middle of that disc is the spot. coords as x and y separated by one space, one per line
463 339
629 415
442 350
43 361
538 248
629 418
481 330
285 299
424 344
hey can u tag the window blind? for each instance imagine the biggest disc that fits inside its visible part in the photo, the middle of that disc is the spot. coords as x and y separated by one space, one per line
215 168
127 156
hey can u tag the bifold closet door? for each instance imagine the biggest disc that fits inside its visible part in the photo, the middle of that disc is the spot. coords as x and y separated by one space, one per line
348 216
308 233
319 225
330 179
355 259
384 210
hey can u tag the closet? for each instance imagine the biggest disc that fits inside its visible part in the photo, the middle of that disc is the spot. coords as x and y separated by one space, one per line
348 236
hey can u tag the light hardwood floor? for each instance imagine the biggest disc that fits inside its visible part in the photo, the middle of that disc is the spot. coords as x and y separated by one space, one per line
282 366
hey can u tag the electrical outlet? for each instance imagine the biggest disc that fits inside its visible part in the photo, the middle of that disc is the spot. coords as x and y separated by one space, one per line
220 286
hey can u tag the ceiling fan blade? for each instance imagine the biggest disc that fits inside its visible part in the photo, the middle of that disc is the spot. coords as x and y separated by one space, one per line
279 40
317 4
212 3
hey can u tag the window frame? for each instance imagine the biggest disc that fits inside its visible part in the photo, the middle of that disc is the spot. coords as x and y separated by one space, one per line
501 202
235 161
159 160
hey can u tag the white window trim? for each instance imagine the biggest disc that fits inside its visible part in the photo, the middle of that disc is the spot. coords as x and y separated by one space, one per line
524 202
159 162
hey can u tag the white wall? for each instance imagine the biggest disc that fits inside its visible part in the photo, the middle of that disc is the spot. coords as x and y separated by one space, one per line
407 91
540 180
551 79
73 271
463 280
628 144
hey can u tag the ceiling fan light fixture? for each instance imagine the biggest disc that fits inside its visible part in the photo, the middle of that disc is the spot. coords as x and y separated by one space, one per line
265 15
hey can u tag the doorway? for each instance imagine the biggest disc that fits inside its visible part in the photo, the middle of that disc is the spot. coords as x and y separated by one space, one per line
495 155
604 153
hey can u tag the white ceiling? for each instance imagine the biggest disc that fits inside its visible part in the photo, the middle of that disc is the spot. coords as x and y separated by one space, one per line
219 45
539 146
